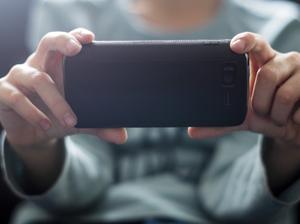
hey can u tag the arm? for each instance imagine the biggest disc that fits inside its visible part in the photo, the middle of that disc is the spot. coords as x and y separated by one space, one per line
36 117
235 186
270 169
282 162
42 163
86 161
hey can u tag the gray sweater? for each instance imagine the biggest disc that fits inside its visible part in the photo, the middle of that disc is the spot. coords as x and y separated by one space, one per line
161 172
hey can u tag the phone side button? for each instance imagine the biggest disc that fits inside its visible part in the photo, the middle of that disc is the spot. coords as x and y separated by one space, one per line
227 99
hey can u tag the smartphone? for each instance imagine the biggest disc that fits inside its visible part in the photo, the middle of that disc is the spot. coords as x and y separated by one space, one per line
168 83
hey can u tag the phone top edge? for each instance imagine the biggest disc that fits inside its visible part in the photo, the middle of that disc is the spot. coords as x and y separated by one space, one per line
163 42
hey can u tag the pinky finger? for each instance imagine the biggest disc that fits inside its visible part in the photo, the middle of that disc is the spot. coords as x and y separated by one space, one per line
14 99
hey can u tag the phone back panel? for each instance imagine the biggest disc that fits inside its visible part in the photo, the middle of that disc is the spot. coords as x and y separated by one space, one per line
157 84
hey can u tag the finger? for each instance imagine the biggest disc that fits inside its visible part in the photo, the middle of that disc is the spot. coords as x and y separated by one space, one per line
266 126
14 99
84 36
53 42
269 77
258 48
118 136
114 135
253 122
68 44
44 86
286 98
203 133
296 116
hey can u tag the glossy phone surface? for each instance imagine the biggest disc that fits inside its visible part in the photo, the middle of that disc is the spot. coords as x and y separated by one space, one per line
157 84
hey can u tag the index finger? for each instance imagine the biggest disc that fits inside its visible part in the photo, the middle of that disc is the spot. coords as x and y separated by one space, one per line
67 44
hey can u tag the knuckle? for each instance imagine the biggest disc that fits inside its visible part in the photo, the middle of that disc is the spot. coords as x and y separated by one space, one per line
15 98
38 78
15 70
46 38
259 107
269 74
50 36
294 57
261 43
58 107
286 96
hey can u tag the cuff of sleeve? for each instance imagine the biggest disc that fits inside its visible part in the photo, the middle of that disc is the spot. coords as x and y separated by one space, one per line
15 175
291 195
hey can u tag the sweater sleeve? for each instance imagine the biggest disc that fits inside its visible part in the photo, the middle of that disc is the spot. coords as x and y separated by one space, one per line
235 188
87 162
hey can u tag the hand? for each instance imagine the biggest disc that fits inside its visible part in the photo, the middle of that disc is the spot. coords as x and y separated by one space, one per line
274 92
33 110
273 108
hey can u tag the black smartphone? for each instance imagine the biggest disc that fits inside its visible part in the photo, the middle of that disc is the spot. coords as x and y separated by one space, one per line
170 83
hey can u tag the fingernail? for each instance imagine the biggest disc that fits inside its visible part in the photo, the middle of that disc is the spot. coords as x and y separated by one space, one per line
120 141
239 44
70 120
45 124
73 44
115 138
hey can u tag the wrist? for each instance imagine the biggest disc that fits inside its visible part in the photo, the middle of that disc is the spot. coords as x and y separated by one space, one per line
35 147
35 153
285 149
42 163
282 163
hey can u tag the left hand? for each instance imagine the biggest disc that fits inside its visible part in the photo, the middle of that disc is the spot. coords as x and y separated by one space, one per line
273 108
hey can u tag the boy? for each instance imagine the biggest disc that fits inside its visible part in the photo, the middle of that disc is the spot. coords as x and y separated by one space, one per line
158 173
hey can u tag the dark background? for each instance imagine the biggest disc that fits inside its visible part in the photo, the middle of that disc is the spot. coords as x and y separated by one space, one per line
13 50
13 22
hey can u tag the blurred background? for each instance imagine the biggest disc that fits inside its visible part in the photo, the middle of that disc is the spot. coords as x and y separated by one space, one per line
13 50
13 22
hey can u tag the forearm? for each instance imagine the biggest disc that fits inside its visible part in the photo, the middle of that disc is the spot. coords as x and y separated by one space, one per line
87 161
282 163
42 162
235 189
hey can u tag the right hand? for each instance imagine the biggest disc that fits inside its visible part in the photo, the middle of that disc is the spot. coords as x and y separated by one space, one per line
33 110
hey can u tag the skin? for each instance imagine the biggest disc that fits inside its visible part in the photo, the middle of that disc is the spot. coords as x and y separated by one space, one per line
176 16
272 109
35 114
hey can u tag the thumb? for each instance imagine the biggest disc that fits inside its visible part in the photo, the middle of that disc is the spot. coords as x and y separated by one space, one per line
253 44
